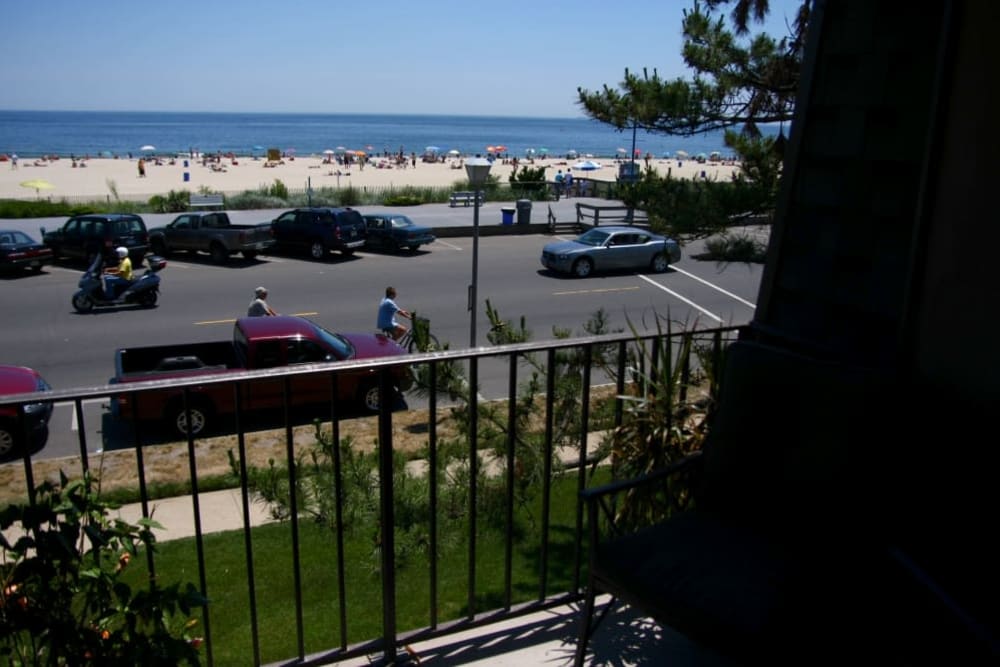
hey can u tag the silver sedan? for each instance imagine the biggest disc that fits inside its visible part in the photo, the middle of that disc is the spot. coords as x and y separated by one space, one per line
611 249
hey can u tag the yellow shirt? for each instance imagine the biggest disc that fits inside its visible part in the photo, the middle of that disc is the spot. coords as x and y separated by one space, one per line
125 268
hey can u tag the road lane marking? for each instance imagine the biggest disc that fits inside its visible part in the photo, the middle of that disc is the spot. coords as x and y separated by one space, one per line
233 319
715 287
74 425
676 295
597 291
449 245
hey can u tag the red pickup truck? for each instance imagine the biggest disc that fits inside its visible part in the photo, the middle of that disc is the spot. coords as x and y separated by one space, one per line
258 342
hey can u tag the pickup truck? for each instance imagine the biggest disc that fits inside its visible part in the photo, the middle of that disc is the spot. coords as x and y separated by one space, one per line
258 342
211 232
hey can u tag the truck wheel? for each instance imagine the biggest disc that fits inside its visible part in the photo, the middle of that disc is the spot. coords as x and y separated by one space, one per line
317 250
347 252
176 416
8 441
82 302
219 253
159 247
250 254
368 397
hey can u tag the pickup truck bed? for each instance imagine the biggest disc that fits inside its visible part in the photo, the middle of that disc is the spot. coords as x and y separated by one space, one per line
195 357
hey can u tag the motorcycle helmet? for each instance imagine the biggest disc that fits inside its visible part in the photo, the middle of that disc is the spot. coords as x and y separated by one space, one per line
122 252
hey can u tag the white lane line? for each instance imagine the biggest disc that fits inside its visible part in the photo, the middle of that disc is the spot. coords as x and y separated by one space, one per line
715 287
678 296
74 425
449 245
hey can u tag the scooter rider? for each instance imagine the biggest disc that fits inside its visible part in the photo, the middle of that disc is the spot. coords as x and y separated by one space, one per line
120 275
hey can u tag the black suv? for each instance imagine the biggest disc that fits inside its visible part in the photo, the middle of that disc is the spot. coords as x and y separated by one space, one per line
320 230
84 236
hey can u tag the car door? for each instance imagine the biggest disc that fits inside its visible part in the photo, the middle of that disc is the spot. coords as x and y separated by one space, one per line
284 227
629 252
181 233
377 231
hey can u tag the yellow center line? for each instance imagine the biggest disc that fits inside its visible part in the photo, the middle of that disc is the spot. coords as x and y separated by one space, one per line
232 320
596 291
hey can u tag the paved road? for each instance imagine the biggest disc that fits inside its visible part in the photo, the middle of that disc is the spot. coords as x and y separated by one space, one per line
199 301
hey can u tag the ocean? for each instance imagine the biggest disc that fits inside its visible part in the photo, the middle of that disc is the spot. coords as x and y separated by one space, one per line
108 133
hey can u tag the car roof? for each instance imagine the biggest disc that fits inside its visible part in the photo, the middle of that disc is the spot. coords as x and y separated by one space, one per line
18 380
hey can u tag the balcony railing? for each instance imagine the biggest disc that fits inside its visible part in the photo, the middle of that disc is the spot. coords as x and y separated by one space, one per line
625 363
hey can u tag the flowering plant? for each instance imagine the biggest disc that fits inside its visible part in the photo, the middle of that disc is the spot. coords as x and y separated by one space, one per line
63 599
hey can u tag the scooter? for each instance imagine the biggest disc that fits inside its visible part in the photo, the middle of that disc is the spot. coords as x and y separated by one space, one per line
142 291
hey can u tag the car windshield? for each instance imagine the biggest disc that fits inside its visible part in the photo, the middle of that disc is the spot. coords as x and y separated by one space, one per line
14 237
594 237
341 347
401 221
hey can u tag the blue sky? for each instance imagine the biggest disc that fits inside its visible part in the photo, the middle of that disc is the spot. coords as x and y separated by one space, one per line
504 58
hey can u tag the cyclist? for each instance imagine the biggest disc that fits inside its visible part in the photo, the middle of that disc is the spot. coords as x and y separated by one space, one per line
387 311
258 307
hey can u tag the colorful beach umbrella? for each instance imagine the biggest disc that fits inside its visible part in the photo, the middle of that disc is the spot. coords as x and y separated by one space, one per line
148 147
37 184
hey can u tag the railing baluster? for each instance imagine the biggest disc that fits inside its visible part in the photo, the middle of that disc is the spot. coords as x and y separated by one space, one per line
387 533
293 510
473 473
432 467
338 490
512 435
247 529
550 390
196 510
581 473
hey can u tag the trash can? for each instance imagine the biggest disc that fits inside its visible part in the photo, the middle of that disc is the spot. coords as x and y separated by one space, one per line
187 176
507 213
524 211
185 164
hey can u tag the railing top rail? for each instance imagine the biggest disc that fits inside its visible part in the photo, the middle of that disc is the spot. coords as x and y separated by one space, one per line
108 390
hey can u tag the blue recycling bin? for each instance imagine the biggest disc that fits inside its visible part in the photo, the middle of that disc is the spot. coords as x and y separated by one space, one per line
185 164
507 215
187 176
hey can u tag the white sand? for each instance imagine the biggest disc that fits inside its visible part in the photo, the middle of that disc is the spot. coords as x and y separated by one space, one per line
102 175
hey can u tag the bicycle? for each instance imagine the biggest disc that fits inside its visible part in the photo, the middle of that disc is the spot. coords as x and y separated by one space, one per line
424 341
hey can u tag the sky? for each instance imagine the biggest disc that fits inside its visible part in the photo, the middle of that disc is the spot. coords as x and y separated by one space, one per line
499 58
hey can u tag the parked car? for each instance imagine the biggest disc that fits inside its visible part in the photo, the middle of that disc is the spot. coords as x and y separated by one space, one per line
211 232
21 380
392 231
319 230
610 249
19 251
84 236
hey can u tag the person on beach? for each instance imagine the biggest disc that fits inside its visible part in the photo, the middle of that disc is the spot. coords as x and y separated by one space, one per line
387 311
258 307
560 179
142 168
568 182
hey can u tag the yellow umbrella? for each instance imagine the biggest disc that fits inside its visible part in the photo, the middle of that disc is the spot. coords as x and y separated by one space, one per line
37 184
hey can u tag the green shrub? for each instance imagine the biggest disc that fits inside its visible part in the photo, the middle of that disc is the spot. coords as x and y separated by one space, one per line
735 248
63 597
350 196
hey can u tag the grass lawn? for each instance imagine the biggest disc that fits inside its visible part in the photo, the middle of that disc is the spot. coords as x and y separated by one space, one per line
228 590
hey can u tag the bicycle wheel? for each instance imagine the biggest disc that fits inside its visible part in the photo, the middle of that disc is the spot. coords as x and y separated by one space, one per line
432 344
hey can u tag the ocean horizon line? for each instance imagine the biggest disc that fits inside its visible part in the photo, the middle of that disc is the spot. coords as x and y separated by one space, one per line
215 112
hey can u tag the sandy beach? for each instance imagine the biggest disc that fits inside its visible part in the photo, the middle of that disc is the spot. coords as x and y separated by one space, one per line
96 178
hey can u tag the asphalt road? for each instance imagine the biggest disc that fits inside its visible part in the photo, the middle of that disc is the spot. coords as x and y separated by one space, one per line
199 301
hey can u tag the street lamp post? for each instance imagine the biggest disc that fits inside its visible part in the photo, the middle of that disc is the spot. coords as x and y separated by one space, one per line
478 169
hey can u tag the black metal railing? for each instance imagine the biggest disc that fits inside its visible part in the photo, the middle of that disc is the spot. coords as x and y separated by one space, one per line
619 361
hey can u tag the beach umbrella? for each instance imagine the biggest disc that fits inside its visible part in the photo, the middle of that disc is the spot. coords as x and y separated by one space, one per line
491 149
454 151
105 153
587 165
37 184
681 153
329 151
341 149
571 154
543 149
148 147
501 148
432 149
622 150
